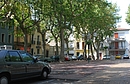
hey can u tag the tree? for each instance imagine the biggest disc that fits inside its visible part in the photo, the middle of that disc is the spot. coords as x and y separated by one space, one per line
106 20
100 18
67 33
41 16
55 33
21 12
64 12
5 10
128 15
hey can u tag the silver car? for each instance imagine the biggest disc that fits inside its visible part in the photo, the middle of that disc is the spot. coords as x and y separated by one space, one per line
18 64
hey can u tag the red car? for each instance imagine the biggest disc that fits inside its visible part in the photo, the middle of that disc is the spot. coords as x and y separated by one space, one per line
67 58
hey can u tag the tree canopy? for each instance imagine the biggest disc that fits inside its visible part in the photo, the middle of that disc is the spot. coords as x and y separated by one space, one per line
60 16
128 15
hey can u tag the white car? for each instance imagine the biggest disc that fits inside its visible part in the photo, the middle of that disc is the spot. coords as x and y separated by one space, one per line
125 56
106 57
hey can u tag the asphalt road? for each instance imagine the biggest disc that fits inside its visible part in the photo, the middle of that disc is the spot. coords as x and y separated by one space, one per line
72 72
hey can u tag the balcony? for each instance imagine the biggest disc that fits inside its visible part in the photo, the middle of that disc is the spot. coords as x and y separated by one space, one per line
21 44
120 48
117 40
38 46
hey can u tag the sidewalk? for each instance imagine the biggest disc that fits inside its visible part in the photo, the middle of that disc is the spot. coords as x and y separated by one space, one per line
77 70
117 73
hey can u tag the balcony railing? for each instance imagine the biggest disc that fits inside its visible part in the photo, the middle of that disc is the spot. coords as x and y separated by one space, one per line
117 39
119 47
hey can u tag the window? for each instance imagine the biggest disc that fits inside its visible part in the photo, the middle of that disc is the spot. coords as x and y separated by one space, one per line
77 53
2 25
9 48
38 38
2 48
77 45
7 58
26 57
9 38
32 38
116 35
83 45
10 25
2 38
12 56
38 51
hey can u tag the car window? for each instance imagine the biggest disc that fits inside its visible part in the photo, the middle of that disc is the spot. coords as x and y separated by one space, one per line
26 57
12 56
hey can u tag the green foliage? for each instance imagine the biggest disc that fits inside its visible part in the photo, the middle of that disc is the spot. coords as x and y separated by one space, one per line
59 16
128 15
89 42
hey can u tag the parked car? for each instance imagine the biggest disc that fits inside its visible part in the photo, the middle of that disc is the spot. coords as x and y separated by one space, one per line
118 56
18 64
41 57
106 57
125 56
80 57
73 57
67 58
55 58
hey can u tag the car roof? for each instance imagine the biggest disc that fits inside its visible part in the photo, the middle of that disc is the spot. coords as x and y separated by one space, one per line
3 52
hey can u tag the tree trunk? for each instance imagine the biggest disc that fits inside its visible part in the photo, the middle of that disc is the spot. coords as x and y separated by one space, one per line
62 44
25 42
85 40
57 48
85 51
97 52
96 48
93 57
67 47
44 44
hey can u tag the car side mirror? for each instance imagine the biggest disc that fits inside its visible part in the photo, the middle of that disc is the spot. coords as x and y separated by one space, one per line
35 59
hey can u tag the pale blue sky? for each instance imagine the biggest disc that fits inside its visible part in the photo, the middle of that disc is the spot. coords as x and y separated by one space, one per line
123 5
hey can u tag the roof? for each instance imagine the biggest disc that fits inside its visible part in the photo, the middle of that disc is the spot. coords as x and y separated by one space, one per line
123 29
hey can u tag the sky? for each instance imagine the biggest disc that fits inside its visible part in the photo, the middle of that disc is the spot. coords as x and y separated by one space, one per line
123 5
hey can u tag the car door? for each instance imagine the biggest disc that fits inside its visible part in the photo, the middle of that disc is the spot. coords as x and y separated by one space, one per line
15 65
32 68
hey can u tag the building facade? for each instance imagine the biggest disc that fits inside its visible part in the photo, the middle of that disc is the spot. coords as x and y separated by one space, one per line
36 43
7 34
79 46
19 41
119 43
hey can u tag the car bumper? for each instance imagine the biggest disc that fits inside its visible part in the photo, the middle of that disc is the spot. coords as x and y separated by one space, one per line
125 57
118 57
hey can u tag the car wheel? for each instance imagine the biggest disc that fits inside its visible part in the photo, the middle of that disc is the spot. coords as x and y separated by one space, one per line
4 79
44 74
